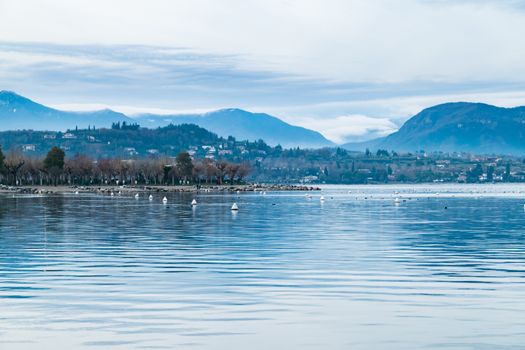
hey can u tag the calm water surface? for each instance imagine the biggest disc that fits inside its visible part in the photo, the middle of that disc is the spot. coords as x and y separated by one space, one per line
286 272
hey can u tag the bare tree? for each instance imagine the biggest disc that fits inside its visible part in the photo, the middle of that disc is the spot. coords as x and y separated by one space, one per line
243 171
13 163
232 170
80 168
221 166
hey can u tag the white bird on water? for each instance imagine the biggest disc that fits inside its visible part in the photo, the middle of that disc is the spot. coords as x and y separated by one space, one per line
164 200
235 207
150 197
193 202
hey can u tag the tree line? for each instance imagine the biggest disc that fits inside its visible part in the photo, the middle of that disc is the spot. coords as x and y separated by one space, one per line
57 169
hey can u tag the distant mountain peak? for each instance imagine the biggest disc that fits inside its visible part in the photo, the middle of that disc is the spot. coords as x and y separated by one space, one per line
228 110
8 93
458 127
245 125
11 96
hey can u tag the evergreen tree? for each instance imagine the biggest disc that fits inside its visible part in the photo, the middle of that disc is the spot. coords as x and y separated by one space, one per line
55 158
490 173
54 162
184 164
507 172
2 160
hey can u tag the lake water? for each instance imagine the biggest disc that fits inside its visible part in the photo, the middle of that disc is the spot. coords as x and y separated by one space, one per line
442 269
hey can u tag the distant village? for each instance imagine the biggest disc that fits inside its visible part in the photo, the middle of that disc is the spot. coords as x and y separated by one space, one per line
270 164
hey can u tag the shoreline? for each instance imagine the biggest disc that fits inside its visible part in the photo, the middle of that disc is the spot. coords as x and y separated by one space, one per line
62 189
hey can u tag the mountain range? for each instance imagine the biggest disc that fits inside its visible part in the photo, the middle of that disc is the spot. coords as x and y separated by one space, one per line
449 127
18 113
457 127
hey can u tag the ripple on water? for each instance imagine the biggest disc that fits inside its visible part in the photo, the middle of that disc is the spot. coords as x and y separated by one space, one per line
285 271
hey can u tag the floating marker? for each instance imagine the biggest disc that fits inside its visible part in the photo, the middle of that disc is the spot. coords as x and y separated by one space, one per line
150 197
137 196
164 200
321 199
235 207
76 192
193 202
112 194
397 200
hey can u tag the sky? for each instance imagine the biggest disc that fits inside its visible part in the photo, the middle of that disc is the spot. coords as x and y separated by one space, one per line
351 69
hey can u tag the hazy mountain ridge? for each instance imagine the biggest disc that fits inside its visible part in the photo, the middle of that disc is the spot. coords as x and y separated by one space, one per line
18 113
245 126
458 126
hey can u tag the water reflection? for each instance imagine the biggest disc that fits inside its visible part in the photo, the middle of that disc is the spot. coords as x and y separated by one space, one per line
284 271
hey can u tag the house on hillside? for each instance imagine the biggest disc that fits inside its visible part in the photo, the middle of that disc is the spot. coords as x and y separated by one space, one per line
224 152
69 135
28 148
131 151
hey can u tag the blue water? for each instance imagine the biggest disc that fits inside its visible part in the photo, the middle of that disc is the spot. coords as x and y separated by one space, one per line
442 269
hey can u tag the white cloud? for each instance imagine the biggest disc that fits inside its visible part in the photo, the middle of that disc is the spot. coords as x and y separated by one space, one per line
349 128
350 40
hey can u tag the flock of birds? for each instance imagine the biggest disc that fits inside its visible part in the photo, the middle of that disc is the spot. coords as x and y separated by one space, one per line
234 207
397 200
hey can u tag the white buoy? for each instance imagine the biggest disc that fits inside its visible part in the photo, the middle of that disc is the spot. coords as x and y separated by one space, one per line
321 199
238 192
76 192
193 202
137 196
264 193
397 200
164 200
112 194
150 197
235 207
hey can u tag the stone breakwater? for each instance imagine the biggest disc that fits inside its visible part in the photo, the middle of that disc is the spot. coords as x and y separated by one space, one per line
152 189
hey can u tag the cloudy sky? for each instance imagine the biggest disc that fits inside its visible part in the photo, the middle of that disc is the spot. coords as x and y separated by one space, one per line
351 69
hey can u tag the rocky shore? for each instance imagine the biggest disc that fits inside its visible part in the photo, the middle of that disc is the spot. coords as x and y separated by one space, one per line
152 189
